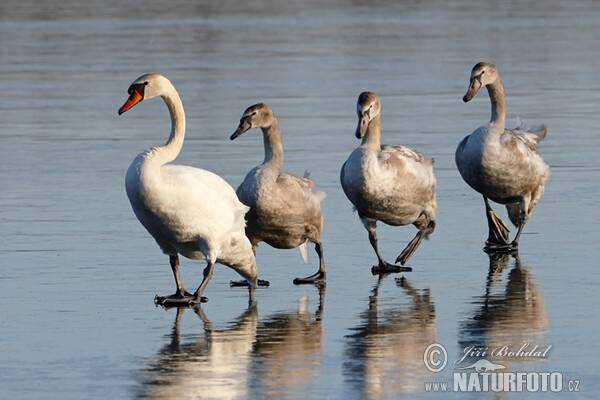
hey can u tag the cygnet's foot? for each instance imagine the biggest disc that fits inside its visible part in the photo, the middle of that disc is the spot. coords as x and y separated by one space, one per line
315 278
491 247
387 268
179 300
245 283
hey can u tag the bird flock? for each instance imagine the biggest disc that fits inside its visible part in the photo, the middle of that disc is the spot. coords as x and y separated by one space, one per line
197 214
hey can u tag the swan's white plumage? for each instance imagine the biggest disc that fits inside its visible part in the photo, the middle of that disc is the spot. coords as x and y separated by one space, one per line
180 204
188 211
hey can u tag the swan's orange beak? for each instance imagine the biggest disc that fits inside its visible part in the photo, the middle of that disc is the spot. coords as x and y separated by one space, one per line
135 98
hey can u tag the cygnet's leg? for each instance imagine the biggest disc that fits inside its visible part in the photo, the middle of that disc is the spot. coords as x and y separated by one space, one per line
414 244
498 231
514 246
180 293
244 282
320 274
383 266
523 205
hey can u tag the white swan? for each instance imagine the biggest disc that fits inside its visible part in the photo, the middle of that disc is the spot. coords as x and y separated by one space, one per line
503 165
391 184
188 211
284 212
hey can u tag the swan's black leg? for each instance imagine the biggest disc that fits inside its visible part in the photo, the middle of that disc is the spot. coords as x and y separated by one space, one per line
197 297
190 300
180 292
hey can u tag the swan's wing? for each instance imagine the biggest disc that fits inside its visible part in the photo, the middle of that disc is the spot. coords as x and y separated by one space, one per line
388 150
402 162
535 134
205 198
524 140
294 185
391 153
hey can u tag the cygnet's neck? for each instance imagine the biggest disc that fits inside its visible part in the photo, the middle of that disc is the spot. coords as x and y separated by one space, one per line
273 146
496 92
372 137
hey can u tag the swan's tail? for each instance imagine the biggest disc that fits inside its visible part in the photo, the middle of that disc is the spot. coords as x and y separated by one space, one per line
239 216
520 124
539 131
321 195
304 251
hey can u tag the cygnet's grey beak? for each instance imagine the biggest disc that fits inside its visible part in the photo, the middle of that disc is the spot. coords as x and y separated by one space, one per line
473 88
363 123
243 127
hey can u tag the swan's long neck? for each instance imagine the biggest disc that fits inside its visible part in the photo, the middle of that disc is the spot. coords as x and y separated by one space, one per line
170 150
273 146
372 136
496 92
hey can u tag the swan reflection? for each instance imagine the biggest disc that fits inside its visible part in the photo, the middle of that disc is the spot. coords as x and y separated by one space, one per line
288 353
385 355
212 365
249 358
511 313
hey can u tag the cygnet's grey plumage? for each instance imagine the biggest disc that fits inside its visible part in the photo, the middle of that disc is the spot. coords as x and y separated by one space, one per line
284 211
502 164
391 184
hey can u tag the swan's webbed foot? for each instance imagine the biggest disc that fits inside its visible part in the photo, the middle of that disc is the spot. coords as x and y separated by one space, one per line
510 248
184 299
507 248
318 277
245 283
386 268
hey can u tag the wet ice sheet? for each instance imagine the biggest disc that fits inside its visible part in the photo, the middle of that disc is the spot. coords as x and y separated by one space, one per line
79 272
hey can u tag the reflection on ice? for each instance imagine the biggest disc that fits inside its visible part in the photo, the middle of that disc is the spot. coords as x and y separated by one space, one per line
277 355
510 313
288 352
385 354
214 366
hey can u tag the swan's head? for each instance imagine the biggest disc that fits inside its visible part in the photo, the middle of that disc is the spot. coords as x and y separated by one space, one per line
482 74
256 116
145 87
367 108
